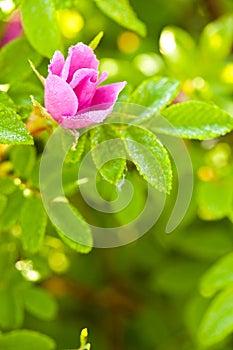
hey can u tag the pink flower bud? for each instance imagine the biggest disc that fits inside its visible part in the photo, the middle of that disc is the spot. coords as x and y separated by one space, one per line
73 96
12 29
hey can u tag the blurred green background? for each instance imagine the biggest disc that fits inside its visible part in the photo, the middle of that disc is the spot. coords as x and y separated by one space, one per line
154 293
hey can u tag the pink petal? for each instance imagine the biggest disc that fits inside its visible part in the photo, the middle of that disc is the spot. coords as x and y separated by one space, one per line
102 78
107 94
87 118
57 63
60 99
86 88
12 29
83 73
79 56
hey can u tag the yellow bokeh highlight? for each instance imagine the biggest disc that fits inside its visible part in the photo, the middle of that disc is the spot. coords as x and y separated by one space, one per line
71 22
58 262
216 42
128 42
188 87
227 73
206 174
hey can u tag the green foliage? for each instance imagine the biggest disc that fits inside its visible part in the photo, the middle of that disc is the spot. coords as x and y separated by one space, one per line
33 223
23 160
80 233
12 130
40 25
195 119
24 340
149 156
155 93
106 144
218 276
15 67
217 322
121 12
40 303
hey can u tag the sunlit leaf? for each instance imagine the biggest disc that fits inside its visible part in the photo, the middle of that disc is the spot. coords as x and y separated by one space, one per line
149 156
12 130
107 145
23 159
41 27
219 276
33 223
195 120
71 222
217 322
155 93
121 12
15 67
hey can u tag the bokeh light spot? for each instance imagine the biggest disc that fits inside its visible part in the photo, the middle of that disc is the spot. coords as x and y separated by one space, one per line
128 42
148 64
71 22
110 66
58 262
7 6
167 42
227 73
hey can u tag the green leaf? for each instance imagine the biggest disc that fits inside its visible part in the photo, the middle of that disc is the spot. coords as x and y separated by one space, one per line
11 310
95 42
12 210
33 223
14 65
26 340
12 130
122 13
75 153
23 159
212 206
6 100
40 303
217 322
194 311
195 120
155 93
21 92
108 153
149 156
217 39
219 276
72 223
41 26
